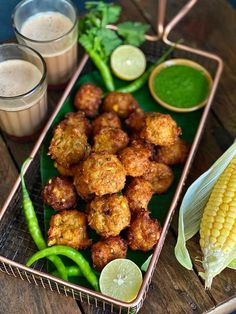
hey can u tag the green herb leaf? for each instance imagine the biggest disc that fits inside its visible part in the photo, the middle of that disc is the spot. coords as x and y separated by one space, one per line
133 32
106 12
109 41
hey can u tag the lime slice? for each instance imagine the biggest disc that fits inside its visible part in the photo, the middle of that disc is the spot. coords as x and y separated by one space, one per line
121 279
128 62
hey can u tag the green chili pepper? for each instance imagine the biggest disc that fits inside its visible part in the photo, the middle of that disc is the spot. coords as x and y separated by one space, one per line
103 69
33 225
72 271
74 255
139 82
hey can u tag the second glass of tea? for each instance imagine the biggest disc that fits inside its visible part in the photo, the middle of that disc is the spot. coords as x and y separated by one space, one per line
51 28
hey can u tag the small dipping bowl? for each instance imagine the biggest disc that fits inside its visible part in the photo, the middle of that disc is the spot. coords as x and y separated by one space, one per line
174 84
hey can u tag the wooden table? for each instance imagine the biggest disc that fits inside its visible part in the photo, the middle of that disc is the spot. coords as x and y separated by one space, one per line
211 26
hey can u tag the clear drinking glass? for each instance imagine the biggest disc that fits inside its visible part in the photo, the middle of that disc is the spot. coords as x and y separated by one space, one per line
23 91
51 28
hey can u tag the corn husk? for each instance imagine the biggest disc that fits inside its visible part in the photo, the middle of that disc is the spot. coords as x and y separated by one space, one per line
192 207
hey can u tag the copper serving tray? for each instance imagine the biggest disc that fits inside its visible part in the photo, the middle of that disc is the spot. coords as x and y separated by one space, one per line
15 242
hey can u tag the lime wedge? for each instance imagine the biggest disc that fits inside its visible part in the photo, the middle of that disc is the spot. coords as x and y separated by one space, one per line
128 62
121 279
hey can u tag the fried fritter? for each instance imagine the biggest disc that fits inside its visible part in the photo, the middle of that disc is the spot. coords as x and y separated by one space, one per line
106 250
135 160
173 154
103 173
160 176
78 120
88 98
143 232
160 129
66 172
109 214
110 140
69 228
107 119
69 143
81 186
138 192
121 103
59 193
136 141
136 121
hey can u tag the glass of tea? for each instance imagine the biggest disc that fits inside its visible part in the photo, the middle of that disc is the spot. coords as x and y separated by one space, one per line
23 91
51 28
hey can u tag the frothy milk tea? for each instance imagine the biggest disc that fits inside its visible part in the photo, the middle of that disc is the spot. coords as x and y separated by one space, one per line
21 116
60 54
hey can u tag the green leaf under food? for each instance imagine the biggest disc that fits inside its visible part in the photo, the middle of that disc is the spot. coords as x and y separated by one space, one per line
145 265
194 201
133 32
159 204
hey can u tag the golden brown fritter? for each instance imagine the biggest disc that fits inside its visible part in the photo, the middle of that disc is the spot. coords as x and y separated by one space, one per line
143 232
103 173
121 103
107 119
138 192
173 154
137 141
135 160
160 176
78 120
81 186
59 193
88 98
69 228
109 214
136 121
66 172
110 140
160 129
106 250
69 144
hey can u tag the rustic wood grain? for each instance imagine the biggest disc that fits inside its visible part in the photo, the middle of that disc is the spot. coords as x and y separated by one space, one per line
20 297
211 25
8 172
173 289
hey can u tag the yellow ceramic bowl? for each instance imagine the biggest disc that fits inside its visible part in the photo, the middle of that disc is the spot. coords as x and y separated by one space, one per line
172 62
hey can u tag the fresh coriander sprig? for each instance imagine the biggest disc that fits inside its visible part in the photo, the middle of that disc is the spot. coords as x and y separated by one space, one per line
99 41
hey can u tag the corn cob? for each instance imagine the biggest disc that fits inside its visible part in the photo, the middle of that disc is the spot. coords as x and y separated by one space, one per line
218 225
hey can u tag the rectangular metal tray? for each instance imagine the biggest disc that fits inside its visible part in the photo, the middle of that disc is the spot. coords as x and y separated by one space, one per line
16 245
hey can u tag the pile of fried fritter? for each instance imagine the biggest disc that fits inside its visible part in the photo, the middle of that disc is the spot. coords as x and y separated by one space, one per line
114 156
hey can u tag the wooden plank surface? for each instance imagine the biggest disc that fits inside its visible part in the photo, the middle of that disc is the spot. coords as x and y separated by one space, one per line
173 289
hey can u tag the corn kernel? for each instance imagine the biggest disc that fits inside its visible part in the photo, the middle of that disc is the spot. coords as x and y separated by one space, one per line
202 243
220 220
225 231
229 220
224 207
221 239
229 194
212 240
215 233
232 236
217 225
229 243
231 213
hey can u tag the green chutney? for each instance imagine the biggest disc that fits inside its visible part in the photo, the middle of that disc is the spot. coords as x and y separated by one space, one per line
181 86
